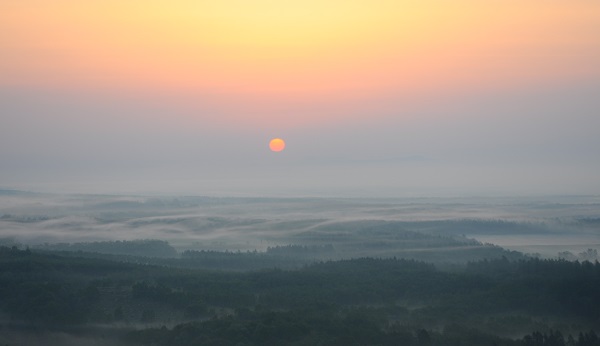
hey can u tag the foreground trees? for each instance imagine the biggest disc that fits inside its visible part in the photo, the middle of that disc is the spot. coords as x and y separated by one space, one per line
352 302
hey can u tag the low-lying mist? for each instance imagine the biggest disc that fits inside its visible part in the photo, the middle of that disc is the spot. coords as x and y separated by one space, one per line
434 229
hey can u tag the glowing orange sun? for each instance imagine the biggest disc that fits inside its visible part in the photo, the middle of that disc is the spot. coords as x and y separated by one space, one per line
277 144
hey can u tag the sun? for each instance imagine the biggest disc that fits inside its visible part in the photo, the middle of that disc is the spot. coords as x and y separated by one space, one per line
277 144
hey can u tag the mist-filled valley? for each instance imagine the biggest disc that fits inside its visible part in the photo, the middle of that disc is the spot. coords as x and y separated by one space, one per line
353 227
266 173
193 270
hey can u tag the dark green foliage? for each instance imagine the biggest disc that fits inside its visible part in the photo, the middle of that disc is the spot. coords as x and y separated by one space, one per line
310 327
142 248
118 314
363 301
571 287
301 250
555 338
242 261
195 310
148 316
52 303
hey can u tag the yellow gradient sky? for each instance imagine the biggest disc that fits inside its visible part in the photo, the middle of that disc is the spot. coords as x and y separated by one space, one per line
184 89
266 51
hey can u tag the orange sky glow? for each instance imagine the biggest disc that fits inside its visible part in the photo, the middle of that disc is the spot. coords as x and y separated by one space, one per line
267 55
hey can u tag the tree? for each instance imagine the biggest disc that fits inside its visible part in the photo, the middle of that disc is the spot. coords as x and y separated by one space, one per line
148 316
423 338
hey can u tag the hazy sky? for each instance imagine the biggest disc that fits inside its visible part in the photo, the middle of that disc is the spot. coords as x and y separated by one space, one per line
391 98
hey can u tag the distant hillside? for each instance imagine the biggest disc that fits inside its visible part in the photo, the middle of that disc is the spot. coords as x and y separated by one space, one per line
140 248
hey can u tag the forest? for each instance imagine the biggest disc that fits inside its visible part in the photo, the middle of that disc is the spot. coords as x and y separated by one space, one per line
363 301
131 270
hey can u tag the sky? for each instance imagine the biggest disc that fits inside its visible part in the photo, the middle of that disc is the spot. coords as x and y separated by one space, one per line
373 98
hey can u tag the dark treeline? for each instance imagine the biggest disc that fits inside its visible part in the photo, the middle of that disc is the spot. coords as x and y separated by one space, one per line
274 257
555 338
324 327
284 257
301 250
244 261
142 248
572 287
359 301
